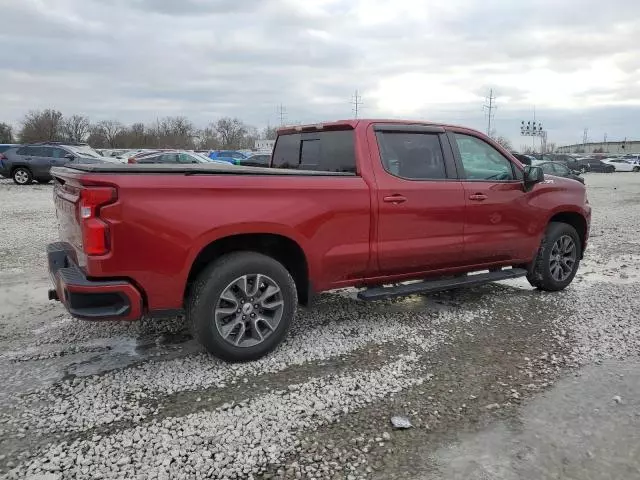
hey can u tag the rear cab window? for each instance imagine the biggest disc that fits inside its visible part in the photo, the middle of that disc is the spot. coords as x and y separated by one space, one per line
412 155
329 151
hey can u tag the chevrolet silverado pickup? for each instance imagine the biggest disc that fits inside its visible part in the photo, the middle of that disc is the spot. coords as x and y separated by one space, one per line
391 207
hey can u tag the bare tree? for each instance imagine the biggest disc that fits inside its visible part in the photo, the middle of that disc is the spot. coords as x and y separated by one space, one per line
526 149
551 147
503 142
110 130
42 126
269 133
231 132
176 132
76 128
6 133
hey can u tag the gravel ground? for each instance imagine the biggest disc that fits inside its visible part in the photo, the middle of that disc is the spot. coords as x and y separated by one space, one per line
499 382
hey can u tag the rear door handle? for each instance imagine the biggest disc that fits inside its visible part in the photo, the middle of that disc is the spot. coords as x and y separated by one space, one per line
478 197
395 199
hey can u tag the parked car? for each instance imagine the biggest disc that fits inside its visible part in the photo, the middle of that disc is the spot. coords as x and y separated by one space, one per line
27 163
257 160
230 156
598 166
573 163
352 203
173 156
621 164
558 169
524 159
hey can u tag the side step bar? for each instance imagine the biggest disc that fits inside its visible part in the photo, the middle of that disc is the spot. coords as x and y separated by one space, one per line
432 286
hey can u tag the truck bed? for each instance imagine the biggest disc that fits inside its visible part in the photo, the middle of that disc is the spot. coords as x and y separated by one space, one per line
193 169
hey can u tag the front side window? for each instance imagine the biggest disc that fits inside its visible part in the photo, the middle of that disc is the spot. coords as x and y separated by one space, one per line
481 161
185 158
561 169
414 156
58 153
44 152
548 168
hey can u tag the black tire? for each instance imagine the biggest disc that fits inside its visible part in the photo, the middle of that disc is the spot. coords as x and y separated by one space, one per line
212 283
22 176
636 169
43 181
539 275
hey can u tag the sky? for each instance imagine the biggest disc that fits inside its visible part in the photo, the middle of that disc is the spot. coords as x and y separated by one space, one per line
575 62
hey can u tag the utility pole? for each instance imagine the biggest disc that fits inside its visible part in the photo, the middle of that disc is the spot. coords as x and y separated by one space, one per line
283 113
356 101
605 147
489 109
585 137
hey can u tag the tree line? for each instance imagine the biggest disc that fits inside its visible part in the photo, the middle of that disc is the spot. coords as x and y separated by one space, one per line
170 132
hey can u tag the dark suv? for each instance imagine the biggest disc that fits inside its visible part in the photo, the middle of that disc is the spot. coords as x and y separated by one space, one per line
26 163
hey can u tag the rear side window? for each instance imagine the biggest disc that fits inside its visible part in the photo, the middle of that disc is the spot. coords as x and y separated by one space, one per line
415 156
331 151
27 151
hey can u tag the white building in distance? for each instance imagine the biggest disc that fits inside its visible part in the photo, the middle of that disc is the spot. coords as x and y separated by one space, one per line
265 145
627 146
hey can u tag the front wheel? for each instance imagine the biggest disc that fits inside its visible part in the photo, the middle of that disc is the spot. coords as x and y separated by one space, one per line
558 258
22 176
241 306
636 169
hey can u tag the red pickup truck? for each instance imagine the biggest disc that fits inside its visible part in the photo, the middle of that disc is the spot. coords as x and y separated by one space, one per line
392 207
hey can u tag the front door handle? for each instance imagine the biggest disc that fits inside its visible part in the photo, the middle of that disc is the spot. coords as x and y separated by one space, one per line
396 199
478 197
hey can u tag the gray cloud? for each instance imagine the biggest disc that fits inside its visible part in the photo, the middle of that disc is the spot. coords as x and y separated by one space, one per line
137 60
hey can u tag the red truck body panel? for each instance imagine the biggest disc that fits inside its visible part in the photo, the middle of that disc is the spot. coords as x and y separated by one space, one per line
351 230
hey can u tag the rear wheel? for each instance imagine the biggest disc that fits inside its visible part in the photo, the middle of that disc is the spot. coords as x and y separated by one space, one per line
22 176
636 169
558 258
241 306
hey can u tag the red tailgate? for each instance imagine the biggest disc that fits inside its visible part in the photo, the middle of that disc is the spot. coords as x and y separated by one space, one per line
66 195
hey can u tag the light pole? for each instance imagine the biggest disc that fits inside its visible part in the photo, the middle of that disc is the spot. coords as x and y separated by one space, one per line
534 129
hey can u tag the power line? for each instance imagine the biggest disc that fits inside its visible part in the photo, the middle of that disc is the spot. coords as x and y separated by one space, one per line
489 109
283 113
356 101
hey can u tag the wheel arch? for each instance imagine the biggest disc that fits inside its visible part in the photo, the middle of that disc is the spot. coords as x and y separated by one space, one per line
282 248
16 166
577 221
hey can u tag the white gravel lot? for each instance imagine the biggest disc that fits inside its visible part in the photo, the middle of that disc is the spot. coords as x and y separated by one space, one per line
142 400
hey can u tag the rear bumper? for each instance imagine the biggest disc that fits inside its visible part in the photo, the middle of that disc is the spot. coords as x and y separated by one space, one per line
90 299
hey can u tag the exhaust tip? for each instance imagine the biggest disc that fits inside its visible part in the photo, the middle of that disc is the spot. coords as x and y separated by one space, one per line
53 295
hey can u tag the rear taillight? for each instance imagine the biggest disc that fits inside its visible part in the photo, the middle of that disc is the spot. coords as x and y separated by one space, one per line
95 232
131 160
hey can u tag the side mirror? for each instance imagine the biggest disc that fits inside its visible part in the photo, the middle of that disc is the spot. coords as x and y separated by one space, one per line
533 175
70 156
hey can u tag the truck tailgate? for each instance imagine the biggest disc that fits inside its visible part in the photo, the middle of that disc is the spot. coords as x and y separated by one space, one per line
66 195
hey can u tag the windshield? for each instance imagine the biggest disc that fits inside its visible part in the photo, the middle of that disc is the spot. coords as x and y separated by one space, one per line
85 151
